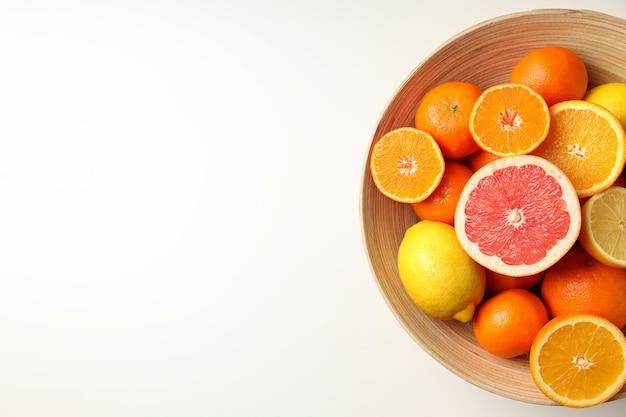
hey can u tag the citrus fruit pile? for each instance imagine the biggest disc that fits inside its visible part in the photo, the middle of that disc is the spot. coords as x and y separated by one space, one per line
520 229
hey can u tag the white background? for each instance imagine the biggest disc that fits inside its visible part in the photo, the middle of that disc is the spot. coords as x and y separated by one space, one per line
179 209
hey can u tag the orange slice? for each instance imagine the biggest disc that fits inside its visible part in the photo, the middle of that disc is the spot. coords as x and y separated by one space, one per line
509 119
579 360
587 142
407 165
603 232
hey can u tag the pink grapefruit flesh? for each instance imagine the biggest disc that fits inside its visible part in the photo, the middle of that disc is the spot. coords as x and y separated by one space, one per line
518 215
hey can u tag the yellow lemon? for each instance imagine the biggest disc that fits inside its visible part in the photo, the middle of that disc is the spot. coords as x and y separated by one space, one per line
611 96
438 274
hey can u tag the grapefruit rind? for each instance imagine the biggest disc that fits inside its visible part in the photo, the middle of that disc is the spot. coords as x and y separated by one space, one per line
568 205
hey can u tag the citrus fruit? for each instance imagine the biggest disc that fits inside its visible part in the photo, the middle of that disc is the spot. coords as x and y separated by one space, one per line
556 73
440 205
406 164
587 142
580 284
444 113
480 158
518 215
611 96
507 323
603 230
496 283
579 360
437 274
509 119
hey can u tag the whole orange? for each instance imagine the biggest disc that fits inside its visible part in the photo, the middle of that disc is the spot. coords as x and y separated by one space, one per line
480 158
554 72
580 284
507 323
496 282
441 204
444 112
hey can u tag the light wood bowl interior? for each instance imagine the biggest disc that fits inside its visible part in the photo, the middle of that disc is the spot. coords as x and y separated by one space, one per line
483 54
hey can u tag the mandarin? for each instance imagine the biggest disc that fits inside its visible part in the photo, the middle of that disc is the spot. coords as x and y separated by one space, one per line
579 284
496 282
555 73
480 158
506 324
444 112
441 204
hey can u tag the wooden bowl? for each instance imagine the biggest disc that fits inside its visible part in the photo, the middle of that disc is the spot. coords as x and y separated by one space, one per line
483 54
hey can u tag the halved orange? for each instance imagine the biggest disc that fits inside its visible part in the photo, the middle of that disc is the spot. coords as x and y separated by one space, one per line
509 119
579 360
407 165
587 142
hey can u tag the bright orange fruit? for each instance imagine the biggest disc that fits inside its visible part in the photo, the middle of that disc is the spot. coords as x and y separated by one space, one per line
556 73
441 204
506 324
509 119
496 282
406 165
580 284
579 360
444 112
587 142
480 158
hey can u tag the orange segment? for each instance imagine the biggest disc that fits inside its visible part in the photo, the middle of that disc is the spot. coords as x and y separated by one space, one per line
579 360
587 142
407 165
509 119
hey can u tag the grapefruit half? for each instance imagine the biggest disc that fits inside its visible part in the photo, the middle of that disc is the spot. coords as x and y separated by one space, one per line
518 215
